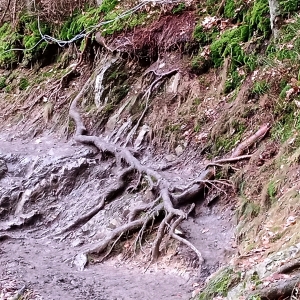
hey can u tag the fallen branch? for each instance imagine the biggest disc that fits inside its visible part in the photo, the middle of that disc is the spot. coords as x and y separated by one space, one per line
240 149
227 160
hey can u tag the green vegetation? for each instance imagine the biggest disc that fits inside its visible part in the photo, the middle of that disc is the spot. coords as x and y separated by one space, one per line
220 284
229 44
179 8
254 21
233 80
8 39
288 121
31 37
23 84
121 24
254 279
288 6
234 9
248 209
272 190
2 82
258 18
85 21
260 87
79 21
288 45
226 142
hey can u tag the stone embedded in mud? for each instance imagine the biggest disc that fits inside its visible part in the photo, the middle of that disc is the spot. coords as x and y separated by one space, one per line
179 150
170 157
3 168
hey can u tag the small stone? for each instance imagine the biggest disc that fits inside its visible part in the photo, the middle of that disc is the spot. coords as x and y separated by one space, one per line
77 243
179 150
170 157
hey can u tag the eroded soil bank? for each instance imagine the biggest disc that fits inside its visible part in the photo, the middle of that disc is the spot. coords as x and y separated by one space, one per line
35 254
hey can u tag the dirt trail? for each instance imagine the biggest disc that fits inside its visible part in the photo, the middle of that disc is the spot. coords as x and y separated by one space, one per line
32 257
44 266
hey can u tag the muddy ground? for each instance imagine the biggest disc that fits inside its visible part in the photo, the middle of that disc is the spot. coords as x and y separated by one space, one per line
34 255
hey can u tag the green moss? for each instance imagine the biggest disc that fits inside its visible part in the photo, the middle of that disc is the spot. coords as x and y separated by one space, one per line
122 24
204 37
8 89
8 40
258 18
199 34
32 38
229 44
84 21
234 9
2 82
81 21
288 6
179 8
229 9
220 284
212 6
23 84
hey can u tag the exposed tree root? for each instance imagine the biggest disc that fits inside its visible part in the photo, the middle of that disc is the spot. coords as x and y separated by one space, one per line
147 97
161 185
191 192
108 196
276 290
160 235
141 208
101 246
289 267
228 160
166 198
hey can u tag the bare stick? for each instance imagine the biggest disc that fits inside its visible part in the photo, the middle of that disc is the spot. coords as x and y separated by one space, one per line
251 140
227 160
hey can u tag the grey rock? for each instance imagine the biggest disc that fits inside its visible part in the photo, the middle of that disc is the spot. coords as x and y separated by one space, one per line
179 150
3 168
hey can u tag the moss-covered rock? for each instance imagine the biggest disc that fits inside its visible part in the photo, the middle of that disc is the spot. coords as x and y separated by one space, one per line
220 284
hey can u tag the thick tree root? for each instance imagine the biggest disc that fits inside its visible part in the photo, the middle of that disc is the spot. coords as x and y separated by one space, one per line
276 290
160 235
109 195
191 192
289 267
160 183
